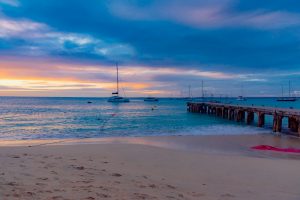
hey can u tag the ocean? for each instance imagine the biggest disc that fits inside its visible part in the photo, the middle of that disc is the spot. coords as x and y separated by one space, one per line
23 118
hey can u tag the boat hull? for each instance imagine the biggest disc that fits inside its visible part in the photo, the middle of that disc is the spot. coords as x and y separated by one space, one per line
118 100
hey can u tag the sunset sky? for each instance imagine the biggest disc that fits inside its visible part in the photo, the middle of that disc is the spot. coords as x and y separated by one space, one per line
70 47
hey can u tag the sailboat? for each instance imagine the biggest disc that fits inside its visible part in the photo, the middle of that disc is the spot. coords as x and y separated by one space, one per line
116 98
289 98
189 98
241 97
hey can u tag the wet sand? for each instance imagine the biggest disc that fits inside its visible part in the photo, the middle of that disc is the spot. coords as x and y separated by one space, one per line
170 167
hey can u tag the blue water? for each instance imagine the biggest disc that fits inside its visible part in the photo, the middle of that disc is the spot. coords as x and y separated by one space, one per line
51 118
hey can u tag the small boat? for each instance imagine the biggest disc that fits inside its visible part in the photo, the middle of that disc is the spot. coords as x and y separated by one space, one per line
116 98
241 98
151 99
289 98
189 98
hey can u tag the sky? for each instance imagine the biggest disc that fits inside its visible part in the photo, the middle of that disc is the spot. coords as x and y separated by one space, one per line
69 48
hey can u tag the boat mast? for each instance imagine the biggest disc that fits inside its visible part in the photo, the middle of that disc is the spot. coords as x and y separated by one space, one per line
202 89
289 88
117 78
242 90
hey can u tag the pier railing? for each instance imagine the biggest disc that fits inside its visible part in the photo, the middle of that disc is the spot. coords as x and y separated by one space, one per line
244 113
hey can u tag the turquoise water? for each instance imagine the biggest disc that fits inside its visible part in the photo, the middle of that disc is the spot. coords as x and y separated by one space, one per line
49 118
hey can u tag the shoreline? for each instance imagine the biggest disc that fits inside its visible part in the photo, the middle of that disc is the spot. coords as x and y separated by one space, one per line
166 167
183 142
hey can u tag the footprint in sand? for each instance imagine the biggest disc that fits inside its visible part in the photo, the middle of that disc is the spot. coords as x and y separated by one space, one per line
41 184
23 166
171 187
143 196
12 184
228 195
16 195
57 197
116 174
30 193
142 186
170 197
145 177
103 195
78 167
152 186
103 188
43 178
194 194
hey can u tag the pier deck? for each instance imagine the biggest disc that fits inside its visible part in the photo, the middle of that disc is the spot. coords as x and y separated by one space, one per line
245 113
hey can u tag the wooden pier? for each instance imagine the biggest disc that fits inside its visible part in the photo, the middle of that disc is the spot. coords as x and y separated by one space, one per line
246 114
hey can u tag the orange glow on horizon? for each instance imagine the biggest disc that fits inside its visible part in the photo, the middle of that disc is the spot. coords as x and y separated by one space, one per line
31 77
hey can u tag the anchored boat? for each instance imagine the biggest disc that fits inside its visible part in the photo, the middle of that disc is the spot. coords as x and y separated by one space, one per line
116 98
289 98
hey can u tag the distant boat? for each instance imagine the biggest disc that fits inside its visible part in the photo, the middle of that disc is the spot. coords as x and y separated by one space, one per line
289 98
151 99
241 98
116 98
189 98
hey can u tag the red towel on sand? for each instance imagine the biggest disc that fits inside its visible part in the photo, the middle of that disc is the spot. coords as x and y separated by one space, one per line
270 148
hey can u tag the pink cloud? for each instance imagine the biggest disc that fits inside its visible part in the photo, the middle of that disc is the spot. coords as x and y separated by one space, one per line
207 15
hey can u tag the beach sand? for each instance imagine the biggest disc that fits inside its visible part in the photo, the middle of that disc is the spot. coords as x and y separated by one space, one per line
170 167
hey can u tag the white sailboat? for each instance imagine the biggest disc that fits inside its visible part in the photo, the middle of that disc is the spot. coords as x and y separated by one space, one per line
189 98
116 98
241 97
289 98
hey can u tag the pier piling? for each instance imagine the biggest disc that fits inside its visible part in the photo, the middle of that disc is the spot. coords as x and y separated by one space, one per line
250 117
261 119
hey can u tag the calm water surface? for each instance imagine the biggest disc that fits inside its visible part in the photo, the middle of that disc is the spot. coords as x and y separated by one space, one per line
49 118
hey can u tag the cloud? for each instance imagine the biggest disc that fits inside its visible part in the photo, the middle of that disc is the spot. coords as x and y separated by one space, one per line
40 39
14 3
19 28
167 44
206 14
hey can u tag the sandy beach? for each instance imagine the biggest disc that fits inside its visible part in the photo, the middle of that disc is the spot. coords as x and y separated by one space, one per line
171 167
